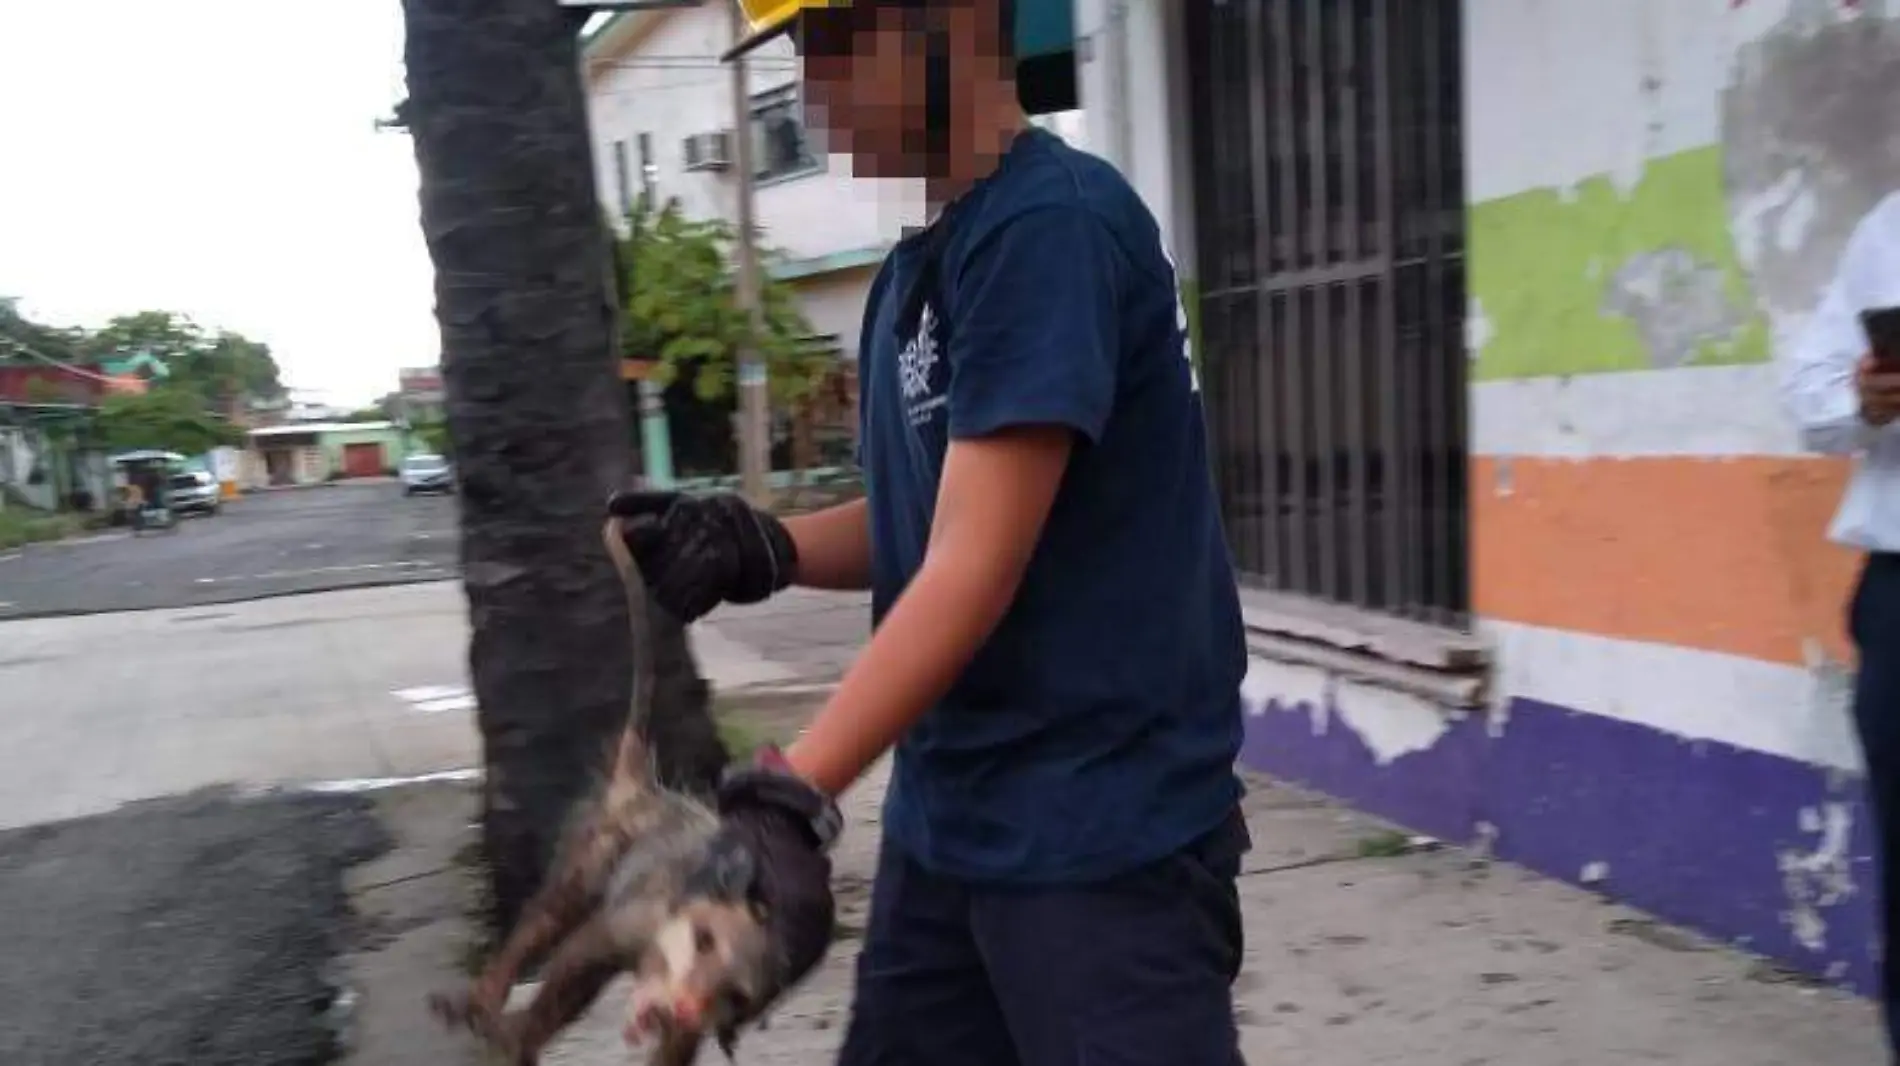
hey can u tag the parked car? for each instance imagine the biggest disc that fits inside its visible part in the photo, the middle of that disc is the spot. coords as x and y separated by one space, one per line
426 473
195 492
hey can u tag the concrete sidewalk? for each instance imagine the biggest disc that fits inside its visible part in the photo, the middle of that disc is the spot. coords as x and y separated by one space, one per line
1363 947
1358 955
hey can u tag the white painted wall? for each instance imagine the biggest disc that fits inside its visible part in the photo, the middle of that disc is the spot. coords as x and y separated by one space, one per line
20 456
670 84
834 303
664 79
1132 88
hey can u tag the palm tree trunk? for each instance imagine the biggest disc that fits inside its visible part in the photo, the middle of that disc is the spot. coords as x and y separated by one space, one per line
536 412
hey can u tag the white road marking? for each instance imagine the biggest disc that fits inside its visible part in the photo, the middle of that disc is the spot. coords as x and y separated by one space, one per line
421 565
11 557
374 784
436 699
103 538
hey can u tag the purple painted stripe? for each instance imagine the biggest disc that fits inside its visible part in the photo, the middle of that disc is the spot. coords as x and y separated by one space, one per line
1693 832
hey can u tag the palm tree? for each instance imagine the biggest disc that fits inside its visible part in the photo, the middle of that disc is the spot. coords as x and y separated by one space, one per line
537 414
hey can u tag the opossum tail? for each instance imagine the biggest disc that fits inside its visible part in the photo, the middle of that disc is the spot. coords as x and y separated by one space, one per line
632 759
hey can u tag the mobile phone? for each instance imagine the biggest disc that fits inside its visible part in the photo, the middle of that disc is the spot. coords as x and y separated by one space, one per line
1882 326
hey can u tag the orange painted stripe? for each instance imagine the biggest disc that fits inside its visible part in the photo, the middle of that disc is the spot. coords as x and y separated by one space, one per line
1726 555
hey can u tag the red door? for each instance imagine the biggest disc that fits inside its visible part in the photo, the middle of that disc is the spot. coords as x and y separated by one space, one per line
362 460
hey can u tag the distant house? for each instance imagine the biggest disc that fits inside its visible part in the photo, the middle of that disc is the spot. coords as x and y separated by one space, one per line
419 395
34 381
308 453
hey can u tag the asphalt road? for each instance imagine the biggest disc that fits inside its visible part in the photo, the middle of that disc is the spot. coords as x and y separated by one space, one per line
207 929
197 931
265 544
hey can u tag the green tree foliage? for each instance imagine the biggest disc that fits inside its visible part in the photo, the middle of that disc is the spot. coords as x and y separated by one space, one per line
219 368
676 277
435 437
164 418
60 345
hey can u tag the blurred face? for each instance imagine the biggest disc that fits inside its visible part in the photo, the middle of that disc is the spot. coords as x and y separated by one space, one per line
864 87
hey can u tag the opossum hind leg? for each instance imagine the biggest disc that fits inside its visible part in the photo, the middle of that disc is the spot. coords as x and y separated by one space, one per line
570 895
580 970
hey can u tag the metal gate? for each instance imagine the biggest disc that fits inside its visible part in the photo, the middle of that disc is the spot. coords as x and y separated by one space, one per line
1329 184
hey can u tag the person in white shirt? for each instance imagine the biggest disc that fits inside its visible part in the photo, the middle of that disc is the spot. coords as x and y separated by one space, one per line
1846 401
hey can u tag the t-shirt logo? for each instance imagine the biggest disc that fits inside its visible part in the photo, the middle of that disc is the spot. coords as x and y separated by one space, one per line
916 366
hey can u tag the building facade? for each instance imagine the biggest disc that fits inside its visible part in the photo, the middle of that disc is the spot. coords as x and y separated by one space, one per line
419 397
660 109
313 452
1488 324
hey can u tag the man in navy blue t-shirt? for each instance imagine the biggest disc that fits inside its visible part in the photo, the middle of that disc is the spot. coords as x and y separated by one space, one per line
1057 648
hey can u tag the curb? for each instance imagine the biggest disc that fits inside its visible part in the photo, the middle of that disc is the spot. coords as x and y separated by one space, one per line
748 697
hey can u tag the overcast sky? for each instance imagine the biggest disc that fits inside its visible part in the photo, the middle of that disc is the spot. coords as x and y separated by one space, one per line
217 158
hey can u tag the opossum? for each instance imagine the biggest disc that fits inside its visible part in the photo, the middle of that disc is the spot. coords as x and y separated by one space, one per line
622 898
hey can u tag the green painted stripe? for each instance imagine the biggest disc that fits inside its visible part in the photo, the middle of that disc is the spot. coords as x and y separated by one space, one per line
793 269
1544 269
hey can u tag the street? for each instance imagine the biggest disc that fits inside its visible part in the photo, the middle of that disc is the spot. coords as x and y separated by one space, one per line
269 543
184 788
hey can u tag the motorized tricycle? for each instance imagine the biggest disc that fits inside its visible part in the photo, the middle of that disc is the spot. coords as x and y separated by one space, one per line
146 479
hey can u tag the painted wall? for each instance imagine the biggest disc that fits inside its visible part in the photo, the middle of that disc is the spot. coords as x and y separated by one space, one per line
669 84
1651 217
332 442
834 303
23 454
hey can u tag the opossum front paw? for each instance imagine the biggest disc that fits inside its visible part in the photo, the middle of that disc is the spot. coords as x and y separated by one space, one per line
462 1011
507 1037
452 1010
643 1021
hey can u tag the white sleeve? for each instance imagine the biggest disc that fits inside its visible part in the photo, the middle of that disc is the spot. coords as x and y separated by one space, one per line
1817 372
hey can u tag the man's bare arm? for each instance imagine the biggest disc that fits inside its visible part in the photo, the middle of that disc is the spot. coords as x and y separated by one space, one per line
993 499
834 547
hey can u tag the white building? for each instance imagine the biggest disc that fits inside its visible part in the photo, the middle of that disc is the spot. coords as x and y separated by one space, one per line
660 104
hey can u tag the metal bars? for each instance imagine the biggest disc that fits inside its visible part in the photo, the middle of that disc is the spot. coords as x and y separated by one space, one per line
1329 174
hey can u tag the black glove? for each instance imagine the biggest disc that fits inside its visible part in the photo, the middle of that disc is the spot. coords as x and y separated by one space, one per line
697 552
772 847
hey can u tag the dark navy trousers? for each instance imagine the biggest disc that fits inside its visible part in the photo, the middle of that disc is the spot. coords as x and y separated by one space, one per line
1874 621
1136 971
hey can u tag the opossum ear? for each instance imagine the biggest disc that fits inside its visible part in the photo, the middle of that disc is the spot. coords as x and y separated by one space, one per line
727 872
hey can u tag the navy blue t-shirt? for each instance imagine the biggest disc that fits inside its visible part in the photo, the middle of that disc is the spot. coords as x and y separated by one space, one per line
1097 728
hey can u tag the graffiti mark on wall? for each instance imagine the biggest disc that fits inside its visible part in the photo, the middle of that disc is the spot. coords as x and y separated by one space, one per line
1820 878
1679 304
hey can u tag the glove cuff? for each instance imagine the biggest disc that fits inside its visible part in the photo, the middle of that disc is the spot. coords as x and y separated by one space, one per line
770 784
768 557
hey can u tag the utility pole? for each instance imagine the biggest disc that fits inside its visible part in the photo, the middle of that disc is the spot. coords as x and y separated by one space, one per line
754 410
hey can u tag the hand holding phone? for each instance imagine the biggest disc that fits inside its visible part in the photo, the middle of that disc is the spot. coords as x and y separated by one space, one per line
1882 326
1877 381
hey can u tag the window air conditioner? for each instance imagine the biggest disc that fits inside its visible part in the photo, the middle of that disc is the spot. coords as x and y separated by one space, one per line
708 151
